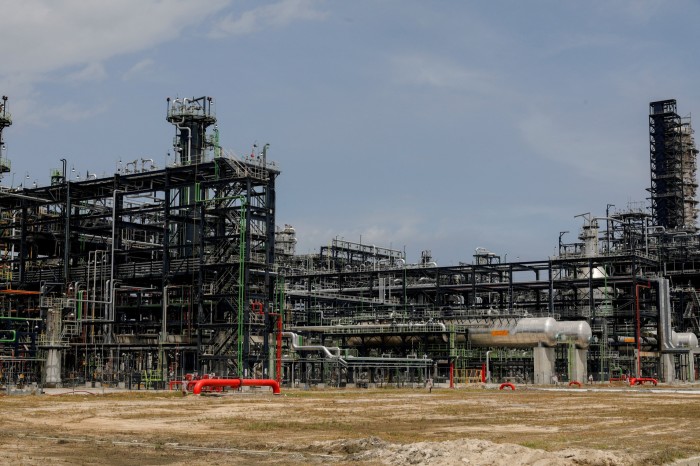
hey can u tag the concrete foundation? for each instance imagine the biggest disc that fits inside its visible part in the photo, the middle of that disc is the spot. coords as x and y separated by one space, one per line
53 368
668 368
579 371
691 366
544 365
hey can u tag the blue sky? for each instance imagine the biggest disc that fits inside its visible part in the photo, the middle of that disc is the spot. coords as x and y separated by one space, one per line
441 125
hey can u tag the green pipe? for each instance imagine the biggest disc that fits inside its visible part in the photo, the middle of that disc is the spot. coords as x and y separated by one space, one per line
20 318
79 307
217 149
11 332
279 288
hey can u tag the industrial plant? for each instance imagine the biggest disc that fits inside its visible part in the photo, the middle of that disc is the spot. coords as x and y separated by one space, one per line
154 276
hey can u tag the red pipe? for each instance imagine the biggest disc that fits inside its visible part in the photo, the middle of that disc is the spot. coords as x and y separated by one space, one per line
173 383
642 380
452 374
235 383
483 373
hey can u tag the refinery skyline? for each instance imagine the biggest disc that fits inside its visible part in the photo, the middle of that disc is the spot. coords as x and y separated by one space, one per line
445 126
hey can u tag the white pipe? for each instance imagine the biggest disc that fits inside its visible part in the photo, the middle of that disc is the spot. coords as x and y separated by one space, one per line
323 328
110 283
189 138
664 306
324 349
488 369
111 264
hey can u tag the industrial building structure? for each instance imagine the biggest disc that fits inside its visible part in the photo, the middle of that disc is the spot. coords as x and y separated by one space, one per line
154 273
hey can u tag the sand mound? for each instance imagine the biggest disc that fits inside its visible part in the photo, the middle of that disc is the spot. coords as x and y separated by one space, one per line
470 452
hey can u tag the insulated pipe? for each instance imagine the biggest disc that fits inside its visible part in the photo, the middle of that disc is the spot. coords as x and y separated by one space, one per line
488 370
324 349
664 306
236 383
330 328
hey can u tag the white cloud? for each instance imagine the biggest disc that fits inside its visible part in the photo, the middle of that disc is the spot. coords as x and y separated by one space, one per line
40 36
641 11
441 73
581 41
142 68
277 14
94 71
67 111
394 227
587 150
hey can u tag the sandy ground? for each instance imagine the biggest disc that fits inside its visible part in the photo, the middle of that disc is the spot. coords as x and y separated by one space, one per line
352 426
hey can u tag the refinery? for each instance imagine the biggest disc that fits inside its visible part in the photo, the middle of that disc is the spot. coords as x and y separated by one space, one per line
155 276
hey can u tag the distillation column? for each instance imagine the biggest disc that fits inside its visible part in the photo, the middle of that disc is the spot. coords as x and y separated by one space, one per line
673 167
5 121
191 118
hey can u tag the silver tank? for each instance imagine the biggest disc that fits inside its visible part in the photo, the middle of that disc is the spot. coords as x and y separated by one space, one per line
531 332
577 331
686 340
525 333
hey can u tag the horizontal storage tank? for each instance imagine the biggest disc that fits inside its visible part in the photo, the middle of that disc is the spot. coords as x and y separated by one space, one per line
525 333
577 331
686 340
532 332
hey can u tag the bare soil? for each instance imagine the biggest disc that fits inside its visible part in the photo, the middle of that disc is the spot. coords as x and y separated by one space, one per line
474 426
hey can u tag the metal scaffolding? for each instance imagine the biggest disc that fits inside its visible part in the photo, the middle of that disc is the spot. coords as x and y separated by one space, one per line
151 269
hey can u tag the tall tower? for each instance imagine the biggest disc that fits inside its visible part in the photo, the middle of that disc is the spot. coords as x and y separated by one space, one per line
673 158
5 121
191 118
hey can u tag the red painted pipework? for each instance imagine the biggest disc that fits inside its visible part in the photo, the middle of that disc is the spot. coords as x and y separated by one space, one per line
642 380
235 383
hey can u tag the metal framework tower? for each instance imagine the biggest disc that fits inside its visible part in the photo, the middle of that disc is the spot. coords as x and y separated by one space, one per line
164 270
673 168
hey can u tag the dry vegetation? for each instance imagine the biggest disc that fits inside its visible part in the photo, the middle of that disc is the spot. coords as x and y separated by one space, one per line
377 426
